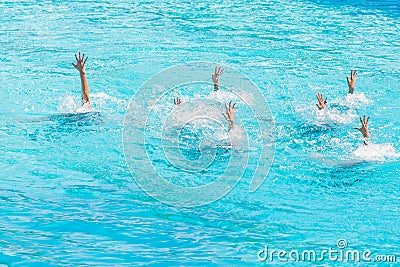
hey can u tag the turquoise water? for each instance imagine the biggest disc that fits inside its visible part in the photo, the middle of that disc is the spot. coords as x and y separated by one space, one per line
67 196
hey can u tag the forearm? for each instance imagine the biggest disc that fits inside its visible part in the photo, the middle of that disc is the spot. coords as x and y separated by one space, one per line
231 124
85 88
216 87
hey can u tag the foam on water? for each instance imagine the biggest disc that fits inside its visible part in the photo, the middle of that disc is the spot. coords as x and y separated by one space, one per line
341 110
356 99
198 119
332 115
376 152
67 104
85 108
71 104
101 98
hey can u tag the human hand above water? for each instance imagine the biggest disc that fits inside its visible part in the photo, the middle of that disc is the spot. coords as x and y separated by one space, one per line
364 127
352 81
321 102
80 62
230 113
215 77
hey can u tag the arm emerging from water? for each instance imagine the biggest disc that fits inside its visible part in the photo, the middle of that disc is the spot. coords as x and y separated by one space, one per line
215 77
352 81
364 128
80 66
230 114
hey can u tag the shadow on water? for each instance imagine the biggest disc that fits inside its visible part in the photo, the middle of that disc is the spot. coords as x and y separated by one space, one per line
55 127
341 173
75 119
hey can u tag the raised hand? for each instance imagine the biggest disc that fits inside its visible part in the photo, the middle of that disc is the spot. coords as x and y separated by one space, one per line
177 101
364 127
321 102
80 62
230 113
80 66
352 81
215 77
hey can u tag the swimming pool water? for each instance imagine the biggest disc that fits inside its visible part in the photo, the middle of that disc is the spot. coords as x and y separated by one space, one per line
67 196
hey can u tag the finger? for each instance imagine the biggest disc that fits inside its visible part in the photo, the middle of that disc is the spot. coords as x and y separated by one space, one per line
76 57
234 105
367 120
83 56
222 70
318 106
79 56
348 81
85 61
361 120
216 69
73 64
326 98
230 103
226 107
357 129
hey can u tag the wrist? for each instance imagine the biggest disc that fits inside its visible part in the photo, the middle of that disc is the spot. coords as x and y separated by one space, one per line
82 72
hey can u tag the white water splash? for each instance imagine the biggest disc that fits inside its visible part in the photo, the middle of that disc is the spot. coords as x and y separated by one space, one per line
101 97
335 116
85 108
376 152
67 105
355 100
